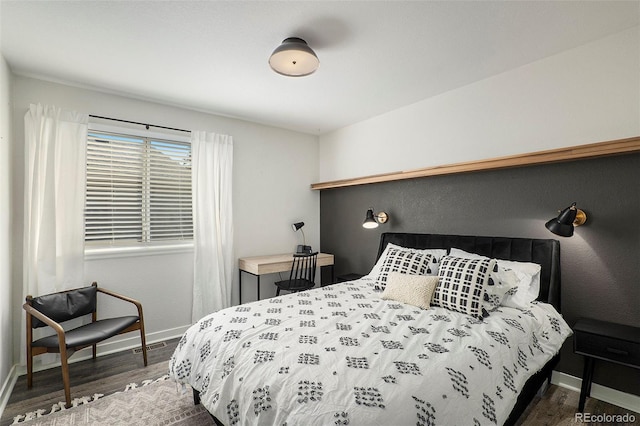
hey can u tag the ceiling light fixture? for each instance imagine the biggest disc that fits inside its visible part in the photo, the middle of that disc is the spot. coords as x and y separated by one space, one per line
294 58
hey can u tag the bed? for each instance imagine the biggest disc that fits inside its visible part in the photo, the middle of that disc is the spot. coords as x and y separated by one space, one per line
357 353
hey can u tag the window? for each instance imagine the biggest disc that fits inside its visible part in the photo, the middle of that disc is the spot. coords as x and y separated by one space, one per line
138 190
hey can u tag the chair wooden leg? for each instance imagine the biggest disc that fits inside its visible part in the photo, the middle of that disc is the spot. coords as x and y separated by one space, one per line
66 382
95 351
29 366
143 338
64 365
144 343
29 350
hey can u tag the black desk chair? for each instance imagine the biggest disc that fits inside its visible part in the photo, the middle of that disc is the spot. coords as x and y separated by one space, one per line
52 309
303 274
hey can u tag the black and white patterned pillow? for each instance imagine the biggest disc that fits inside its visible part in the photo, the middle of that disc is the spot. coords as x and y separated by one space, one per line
436 253
405 262
461 284
510 283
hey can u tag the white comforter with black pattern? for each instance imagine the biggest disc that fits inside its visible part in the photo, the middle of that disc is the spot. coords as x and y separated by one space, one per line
341 355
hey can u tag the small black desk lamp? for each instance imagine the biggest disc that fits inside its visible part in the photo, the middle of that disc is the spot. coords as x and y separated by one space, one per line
301 248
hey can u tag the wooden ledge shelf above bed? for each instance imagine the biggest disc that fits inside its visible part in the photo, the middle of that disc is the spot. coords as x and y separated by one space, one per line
599 149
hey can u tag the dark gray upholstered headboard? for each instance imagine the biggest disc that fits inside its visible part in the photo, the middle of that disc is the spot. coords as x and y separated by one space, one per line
546 253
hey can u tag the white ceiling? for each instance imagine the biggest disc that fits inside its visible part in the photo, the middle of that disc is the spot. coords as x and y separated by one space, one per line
375 56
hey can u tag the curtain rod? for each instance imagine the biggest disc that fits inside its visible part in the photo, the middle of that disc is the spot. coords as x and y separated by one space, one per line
141 124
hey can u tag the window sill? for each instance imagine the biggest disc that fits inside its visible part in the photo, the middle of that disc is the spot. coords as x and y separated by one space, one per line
94 253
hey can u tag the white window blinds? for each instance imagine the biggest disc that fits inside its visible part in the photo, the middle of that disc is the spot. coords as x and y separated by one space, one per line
138 189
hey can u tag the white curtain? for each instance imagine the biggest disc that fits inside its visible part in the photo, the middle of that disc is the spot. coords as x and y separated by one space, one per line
212 222
55 154
55 157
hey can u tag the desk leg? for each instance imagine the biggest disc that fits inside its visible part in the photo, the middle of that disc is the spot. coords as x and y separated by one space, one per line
258 280
587 376
240 284
333 275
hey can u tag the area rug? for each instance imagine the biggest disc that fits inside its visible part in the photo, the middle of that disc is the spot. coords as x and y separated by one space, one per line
153 402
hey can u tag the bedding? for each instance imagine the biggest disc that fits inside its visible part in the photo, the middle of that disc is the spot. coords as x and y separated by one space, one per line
343 355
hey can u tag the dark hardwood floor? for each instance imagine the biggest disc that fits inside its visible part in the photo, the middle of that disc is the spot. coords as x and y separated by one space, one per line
111 373
104 375
558 407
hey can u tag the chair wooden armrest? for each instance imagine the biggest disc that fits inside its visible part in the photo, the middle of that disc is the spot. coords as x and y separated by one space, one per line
62 344
121 297
45 319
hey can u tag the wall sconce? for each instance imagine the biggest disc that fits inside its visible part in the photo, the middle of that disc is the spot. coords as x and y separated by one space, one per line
565 222
294 58
304 248
372 220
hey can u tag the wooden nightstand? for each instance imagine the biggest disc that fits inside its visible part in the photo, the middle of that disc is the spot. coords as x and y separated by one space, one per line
606 341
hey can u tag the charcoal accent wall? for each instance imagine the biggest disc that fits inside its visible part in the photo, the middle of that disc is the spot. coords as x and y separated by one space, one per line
600 263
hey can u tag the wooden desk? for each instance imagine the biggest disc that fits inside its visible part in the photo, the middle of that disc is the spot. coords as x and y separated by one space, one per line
261 265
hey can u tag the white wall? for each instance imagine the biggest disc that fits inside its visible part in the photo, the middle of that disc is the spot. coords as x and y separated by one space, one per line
273 169
584 95
6 330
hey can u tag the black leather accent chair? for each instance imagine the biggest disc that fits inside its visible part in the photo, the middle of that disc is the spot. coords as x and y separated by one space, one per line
302 275
53 309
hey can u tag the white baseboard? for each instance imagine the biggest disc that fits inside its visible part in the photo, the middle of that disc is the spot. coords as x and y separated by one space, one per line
7 388
603 393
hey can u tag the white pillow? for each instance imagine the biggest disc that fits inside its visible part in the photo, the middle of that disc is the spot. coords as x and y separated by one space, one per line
416 290
529 282
518 282
435 253
501 283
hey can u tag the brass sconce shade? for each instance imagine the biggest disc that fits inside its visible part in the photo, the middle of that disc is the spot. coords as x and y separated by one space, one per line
565 222
372 220
294 58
